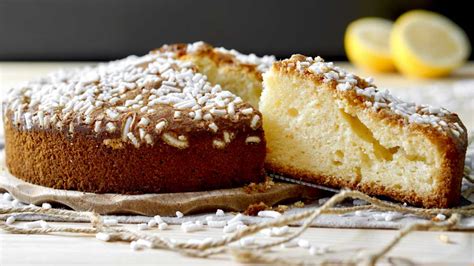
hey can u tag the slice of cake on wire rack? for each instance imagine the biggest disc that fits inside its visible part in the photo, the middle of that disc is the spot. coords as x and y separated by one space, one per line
329 127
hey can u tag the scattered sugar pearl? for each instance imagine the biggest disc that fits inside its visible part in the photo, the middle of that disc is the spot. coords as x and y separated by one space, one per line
280 231
369 80
158 219
247 241
135 246
179 214
216 224
142 227
46 206
378 217
207 117
230 228
387 216
10 220
44 224
444 238
7 197
254 122
31 225
440 217
289 244
110 222
275 231
187 222
392 216
37 224
152 223
246 111
102 236
162 226
303 243
269 214
213 127
190 227
219 212
236 218
110 127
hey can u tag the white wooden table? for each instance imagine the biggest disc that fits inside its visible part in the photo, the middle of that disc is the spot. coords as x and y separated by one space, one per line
420 247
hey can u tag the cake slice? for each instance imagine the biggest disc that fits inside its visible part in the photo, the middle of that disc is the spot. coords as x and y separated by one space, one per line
330 127
239 73
148 124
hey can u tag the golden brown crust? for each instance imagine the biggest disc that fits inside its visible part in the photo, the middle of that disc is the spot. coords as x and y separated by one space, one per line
84 163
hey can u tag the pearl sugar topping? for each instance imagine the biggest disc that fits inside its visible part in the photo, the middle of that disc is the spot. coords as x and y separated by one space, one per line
123 92
375 99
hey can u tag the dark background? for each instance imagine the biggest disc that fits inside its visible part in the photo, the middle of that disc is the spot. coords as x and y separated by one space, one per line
108 29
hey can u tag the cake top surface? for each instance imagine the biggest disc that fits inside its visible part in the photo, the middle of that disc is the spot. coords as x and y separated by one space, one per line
375 99
136 98
261 63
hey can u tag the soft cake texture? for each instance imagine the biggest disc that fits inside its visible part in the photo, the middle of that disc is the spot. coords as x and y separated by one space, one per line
137 125
330 127
239 73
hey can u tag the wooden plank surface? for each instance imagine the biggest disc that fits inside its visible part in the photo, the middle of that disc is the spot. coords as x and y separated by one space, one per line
420 247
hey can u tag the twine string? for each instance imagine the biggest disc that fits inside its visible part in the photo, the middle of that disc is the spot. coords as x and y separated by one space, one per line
219 246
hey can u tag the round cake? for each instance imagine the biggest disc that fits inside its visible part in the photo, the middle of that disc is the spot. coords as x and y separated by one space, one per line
144 124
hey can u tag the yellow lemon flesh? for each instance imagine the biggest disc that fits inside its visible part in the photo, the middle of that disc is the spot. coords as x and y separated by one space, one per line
367 44
427 44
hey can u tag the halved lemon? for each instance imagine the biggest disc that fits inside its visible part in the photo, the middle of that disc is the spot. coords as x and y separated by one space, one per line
427 44
367 44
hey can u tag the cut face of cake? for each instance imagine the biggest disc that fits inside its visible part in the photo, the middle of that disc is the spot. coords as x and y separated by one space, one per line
330 127
138 125
239 73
